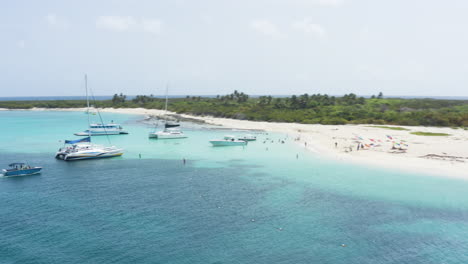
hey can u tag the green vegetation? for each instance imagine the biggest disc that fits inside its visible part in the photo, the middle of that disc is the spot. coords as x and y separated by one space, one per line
430 134
308 109
392 128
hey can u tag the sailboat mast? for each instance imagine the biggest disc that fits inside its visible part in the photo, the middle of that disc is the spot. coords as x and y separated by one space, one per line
87 104
165 109
167 89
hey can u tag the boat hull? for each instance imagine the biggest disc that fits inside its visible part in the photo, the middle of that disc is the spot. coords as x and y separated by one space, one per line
24 172
247 139
84 156
220 143
166 136
99 133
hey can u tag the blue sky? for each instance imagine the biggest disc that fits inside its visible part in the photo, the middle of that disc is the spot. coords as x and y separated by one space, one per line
399 47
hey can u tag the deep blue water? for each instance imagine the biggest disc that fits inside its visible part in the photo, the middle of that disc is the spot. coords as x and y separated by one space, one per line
258 204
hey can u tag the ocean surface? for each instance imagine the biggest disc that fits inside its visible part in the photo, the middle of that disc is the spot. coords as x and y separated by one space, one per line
267 202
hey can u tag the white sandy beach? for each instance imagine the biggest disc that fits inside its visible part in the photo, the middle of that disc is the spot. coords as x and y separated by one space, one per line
448 155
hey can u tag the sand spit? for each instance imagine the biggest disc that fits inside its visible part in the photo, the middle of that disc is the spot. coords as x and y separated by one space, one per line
378 147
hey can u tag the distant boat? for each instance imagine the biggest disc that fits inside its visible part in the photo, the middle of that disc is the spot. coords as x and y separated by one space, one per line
228 141
81 149
20 169
102 130
99 129
170 131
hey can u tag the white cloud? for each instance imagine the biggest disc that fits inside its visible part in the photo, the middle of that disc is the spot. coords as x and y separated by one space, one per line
115 23
207 19
320 3
51 19
151 26
309 28
266 28
21 44
331 3
57 22
364 33
128 23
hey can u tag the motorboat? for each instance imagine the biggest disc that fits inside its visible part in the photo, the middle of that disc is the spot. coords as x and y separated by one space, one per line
171 131
167 134
102 130
20 169
228 141
81 149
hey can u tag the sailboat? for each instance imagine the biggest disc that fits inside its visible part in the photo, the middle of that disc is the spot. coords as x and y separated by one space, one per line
80 149
101 129
170 131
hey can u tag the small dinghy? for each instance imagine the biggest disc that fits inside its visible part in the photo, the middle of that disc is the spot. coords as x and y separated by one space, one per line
20 169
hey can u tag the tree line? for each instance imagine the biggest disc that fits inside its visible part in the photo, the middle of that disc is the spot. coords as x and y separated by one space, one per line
305 108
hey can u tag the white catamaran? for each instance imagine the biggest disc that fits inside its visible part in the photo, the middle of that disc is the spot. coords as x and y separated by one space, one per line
80 149
170 131
102 130
83 148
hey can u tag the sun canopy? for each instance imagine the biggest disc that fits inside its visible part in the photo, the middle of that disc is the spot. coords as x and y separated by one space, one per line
86 139
16 164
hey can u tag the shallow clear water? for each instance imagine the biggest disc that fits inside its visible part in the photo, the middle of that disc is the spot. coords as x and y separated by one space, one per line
265 203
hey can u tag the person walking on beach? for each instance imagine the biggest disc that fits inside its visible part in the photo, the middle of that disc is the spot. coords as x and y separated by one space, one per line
336 144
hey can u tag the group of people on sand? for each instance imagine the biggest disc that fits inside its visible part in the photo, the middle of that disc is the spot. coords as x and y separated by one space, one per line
361 146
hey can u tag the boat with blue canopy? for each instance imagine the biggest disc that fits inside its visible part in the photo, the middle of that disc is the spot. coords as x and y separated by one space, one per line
20 169
82 148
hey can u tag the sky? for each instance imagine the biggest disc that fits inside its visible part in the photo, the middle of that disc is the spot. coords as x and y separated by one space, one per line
209 47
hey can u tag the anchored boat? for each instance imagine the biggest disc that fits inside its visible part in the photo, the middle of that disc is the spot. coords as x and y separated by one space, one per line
102 130
20 169
228 141
171 130
81 149
99 129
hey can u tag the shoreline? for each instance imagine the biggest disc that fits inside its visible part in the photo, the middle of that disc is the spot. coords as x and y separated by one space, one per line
445 156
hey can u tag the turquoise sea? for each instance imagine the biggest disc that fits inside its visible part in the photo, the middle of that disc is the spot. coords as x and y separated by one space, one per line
267 202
